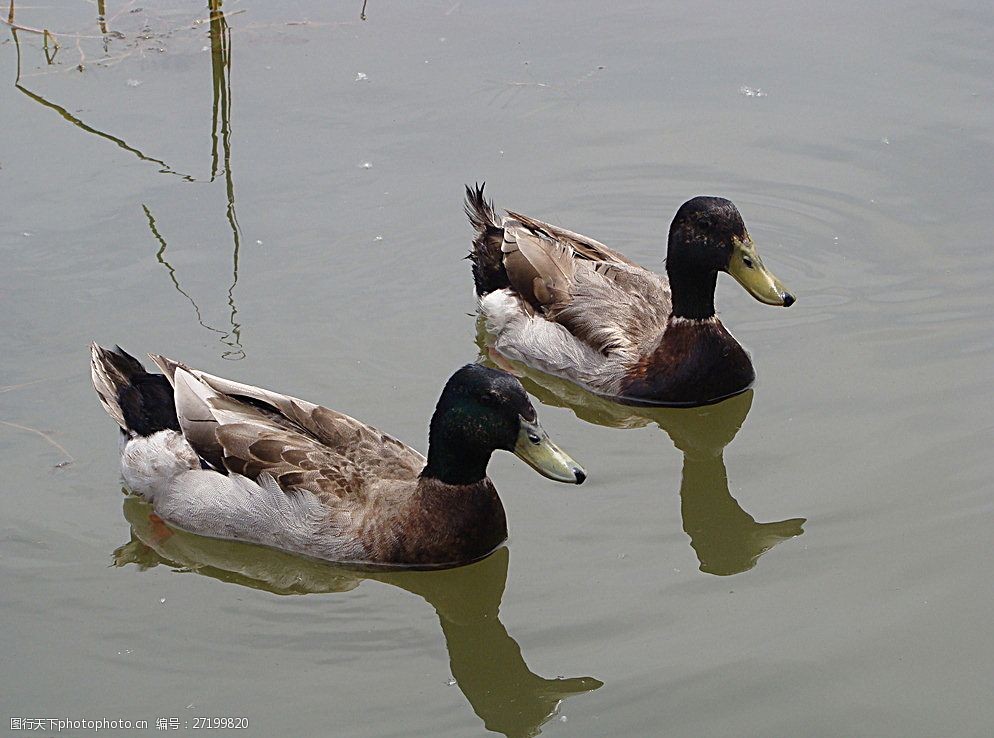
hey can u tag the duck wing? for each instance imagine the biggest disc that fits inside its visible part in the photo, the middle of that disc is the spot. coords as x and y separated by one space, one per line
582 246
248 430
598 295
540 268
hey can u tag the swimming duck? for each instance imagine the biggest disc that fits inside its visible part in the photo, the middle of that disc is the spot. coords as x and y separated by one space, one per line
570 306
229 460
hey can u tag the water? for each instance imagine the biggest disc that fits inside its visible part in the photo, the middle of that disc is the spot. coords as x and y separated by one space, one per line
812 558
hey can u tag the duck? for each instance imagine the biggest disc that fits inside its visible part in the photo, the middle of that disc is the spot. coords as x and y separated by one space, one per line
568 305
229 460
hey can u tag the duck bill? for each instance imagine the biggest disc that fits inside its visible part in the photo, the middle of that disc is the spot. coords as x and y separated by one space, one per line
748 270
536 449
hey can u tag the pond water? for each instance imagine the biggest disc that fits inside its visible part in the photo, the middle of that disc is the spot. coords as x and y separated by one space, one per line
272 192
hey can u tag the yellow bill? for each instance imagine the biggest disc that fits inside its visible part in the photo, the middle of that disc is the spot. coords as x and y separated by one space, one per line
537 450
748 270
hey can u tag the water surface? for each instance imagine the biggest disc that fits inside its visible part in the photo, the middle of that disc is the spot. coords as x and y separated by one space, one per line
272 192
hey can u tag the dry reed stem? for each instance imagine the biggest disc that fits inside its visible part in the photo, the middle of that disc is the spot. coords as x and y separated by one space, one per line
48 438
11 387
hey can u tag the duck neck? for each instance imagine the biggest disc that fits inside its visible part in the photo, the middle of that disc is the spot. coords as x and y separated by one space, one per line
454 463
692 292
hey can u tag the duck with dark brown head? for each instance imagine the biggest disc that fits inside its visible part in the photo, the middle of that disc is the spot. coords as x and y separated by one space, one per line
570 306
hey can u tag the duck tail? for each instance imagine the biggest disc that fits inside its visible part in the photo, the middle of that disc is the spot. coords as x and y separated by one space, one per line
488 260
140 402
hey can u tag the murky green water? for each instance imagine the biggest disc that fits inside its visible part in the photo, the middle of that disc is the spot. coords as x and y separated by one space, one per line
274 195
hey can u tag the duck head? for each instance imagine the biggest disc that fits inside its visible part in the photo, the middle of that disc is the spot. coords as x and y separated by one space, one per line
482 410
708 236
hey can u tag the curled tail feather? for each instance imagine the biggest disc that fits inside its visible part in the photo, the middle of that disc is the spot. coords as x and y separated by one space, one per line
488 263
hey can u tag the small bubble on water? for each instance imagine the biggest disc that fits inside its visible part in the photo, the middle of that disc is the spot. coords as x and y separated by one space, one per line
450 682
27 234
378 238
885 140
361 77
162 600
134 82
366 165
752 91
563 718
190 706
258 242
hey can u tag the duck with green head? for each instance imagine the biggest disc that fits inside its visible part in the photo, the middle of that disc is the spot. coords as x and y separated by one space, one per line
570 306
229 460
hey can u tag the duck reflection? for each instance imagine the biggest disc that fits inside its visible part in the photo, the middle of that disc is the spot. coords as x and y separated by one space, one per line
726 539
485 661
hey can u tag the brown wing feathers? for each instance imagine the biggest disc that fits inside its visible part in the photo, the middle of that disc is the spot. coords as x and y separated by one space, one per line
583 247
535 258
539 269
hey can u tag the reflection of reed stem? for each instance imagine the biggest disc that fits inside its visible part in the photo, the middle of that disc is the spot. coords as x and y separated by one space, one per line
66 115
221 73
161 258
70 118
102 20
220 35
49 57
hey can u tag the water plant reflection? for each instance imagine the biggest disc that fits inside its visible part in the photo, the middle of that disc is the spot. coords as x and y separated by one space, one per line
220 38
485 661
726 539
160 256
73 120
221 158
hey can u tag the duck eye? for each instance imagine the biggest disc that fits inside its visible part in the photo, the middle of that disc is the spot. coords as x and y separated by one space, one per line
533 437
489 399
747 261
